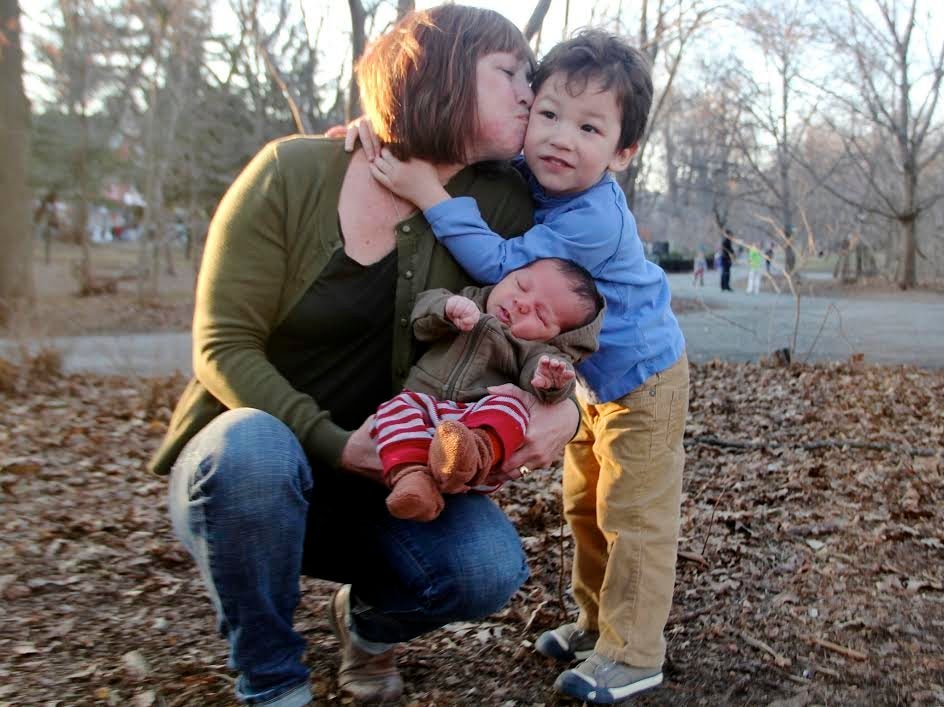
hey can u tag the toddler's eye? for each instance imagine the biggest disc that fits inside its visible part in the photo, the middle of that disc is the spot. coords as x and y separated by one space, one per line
589 129
547 114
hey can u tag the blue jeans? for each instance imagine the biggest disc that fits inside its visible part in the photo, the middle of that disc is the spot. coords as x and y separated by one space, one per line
246 503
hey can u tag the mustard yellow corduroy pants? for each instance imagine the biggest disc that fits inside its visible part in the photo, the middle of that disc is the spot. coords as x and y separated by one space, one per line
622 492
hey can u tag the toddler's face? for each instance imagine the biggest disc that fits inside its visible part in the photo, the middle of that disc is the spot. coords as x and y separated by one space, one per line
537 302
572 140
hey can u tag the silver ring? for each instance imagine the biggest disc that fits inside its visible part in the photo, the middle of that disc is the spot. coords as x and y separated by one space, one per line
523 470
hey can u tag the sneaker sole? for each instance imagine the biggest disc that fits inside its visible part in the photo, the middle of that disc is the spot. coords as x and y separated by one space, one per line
583 688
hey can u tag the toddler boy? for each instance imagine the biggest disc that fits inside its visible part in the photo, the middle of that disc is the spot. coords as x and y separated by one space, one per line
623 469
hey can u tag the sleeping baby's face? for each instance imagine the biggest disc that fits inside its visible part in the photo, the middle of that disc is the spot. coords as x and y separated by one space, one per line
537 302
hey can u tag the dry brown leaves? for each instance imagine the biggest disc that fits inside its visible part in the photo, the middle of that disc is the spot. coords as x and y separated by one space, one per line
806 577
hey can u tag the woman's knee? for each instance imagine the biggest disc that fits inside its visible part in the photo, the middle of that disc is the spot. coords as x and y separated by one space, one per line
485 566
248 454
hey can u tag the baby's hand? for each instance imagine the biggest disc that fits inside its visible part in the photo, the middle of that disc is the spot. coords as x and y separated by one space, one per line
414 180
552 373
462 312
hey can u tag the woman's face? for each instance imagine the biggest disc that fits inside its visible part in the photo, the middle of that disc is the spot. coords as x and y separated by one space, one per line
504 97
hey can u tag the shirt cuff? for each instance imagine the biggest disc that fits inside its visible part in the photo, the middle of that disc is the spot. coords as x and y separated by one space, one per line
450 208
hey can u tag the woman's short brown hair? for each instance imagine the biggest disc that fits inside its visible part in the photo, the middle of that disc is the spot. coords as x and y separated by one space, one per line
418 81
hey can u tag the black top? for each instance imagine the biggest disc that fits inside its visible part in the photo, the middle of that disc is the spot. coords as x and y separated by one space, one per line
336 344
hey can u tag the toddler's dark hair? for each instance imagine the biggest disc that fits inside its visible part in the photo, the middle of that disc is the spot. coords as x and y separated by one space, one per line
597 55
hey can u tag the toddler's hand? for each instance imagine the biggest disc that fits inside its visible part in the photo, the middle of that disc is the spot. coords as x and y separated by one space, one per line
358 129
462 312
552 373
414 180
363 130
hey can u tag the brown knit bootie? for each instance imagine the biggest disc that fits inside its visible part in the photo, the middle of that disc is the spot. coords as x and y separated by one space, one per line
413 493
459 457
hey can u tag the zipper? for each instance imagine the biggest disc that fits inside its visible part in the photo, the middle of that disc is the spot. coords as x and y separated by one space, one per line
468 352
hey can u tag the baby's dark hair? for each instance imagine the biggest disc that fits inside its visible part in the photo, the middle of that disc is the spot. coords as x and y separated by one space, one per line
597 55
582 285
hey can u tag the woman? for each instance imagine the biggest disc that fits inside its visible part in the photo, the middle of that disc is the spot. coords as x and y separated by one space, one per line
301 329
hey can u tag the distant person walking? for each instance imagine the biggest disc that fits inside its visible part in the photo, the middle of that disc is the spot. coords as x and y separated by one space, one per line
769 256
46 221
698 275
755 262
727 257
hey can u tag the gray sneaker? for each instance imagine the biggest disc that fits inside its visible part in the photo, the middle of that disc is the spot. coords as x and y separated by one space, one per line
602 681
566 643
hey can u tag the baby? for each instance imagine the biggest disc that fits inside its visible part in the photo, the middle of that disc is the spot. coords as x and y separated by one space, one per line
445 433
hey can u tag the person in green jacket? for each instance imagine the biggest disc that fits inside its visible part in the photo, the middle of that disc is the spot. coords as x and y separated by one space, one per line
755 261
301 328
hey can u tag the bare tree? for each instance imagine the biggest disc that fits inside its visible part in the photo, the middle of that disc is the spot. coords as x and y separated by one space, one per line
781 31
16 265
892 132
663 35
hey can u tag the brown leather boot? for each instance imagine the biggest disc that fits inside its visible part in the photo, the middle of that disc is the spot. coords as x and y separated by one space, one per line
459 457
414 494
364 676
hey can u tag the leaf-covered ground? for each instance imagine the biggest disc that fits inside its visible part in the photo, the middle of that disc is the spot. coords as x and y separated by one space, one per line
812 567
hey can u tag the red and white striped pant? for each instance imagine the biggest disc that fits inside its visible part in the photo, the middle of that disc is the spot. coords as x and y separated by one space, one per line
403 426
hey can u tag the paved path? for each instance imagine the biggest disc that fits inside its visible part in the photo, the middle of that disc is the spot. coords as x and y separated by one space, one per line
892 328
887 328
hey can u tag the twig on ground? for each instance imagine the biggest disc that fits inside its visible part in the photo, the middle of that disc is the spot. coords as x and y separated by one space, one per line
831 308
714 314
836 648
695 613
560 571
711 520
816 444
693 557
779 660
534 615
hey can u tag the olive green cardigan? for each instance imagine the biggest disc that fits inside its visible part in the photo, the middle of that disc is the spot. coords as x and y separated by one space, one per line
275 230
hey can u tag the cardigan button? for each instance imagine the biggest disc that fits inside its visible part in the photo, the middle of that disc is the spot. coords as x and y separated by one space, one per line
408 274
404 321
406 229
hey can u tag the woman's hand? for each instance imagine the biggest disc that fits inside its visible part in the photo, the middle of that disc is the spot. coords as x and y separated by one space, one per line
360 454
550 429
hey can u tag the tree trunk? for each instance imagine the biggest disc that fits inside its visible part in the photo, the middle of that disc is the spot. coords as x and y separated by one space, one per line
405 7
358 41
81 221
907 266
536 21
907 227
786 193
16 265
